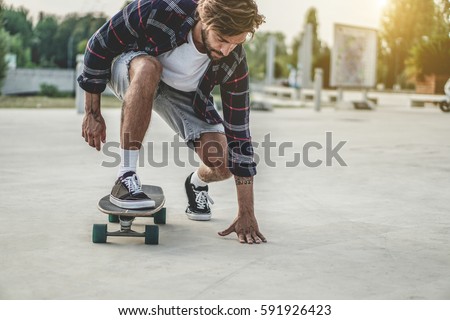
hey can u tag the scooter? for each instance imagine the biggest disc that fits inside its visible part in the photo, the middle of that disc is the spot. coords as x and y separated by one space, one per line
445 104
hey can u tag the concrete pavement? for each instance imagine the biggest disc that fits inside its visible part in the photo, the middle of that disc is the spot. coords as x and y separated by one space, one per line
378 228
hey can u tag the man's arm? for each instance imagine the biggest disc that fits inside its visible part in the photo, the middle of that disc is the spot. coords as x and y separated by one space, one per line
235 94
236 109
93 128
245 224
109 41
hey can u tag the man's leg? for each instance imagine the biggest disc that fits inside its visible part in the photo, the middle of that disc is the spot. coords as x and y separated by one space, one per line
213 151
144 76
145 73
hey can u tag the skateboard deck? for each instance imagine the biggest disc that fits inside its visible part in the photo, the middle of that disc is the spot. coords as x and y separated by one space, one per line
154 192
126 217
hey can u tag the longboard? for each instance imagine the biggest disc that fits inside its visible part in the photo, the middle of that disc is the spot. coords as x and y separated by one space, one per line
126 217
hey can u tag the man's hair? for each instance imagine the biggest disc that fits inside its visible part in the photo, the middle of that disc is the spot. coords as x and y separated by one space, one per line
230 17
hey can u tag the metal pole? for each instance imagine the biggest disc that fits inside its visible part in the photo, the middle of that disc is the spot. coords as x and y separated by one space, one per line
318 83
79 93
270 63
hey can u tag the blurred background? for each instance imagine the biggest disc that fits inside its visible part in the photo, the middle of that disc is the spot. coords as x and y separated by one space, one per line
41 39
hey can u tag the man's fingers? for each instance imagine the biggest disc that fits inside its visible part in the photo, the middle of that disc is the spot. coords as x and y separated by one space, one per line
227 231
97 143
249 238
256 238
259 234
90 140
241 238
103 135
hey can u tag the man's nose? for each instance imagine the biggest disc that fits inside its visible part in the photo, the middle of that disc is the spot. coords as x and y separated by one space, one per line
227 48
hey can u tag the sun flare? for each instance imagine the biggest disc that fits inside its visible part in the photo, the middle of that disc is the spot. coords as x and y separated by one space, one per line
382 3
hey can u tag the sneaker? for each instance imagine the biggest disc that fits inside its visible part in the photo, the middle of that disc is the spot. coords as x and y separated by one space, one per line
127 193
198 207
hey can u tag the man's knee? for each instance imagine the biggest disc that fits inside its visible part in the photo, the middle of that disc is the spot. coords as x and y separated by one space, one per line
145 68
219 165
222 173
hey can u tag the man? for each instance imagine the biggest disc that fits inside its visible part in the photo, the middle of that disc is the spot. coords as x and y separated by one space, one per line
167 56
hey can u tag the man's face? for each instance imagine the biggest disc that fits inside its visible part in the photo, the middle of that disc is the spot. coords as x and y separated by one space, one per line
218 46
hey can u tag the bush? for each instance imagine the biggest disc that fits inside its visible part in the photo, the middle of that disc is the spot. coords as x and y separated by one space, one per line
49 90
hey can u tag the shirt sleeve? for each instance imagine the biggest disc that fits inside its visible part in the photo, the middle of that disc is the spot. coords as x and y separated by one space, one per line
122 30
235 94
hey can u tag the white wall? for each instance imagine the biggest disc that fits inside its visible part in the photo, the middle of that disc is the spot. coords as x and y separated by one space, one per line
24 81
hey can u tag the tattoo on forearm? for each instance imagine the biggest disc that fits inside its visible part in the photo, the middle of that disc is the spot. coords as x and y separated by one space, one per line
243 181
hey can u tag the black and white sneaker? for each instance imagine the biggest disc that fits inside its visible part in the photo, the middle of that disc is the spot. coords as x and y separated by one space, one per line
198 198
127 193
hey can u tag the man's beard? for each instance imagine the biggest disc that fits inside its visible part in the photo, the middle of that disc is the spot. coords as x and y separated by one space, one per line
209 50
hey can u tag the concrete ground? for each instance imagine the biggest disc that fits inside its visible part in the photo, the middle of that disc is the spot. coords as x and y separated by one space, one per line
378 228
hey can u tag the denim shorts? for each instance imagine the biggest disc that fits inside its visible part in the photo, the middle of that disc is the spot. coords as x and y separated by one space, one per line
172 105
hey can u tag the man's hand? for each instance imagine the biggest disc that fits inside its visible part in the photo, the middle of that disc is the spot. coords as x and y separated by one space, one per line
246 228
245 224
93 129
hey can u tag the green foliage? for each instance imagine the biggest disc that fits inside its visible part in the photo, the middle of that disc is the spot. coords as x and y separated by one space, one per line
256 50
44 44
49 90
17 22
53 42
431 56
321 52
404 24
323 61
3 47
16 46
71 31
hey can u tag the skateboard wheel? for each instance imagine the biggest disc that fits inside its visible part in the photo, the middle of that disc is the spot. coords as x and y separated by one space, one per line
113 218
99 233
160 216
151 234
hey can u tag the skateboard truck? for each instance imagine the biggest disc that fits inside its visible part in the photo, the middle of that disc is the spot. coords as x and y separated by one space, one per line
100 233
125 218
125 223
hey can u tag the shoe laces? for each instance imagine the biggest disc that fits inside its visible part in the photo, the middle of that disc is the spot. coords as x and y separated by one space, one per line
202 198
133 184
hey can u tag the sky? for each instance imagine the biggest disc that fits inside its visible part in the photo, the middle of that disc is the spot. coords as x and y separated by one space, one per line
286 16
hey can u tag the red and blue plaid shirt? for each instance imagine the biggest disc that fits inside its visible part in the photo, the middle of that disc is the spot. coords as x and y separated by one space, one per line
158 26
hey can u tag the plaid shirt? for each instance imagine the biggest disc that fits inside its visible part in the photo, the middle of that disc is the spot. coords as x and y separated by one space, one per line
158 26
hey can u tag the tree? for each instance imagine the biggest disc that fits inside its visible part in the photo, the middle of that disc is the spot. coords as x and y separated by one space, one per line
19 34
72 31
256 50
404 24
3 49
431 56
321 52
310 18
443 17
16 21
43 50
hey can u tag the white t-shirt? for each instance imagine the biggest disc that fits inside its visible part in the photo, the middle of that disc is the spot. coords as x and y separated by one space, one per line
184 66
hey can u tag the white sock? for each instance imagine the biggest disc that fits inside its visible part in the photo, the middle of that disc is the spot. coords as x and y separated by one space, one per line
128 161
196 181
